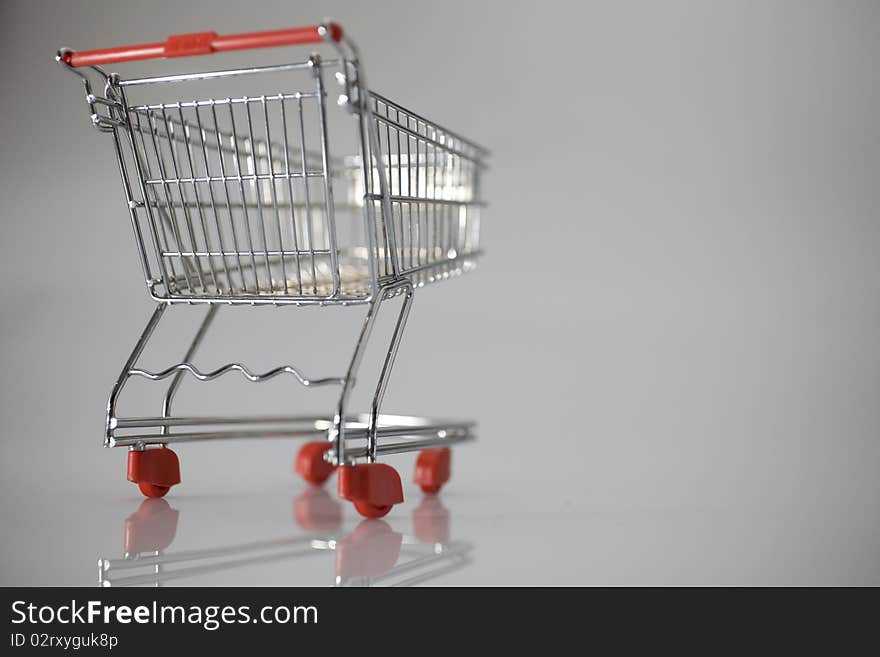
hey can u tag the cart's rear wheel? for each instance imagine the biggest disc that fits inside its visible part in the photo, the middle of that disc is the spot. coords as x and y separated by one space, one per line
310 463
369 510
433 469
153 490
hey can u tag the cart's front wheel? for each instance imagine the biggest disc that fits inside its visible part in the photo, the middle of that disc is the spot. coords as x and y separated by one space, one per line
373 488
154 470
153 490
368 510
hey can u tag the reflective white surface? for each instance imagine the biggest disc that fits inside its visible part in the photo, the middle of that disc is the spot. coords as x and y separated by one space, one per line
281 532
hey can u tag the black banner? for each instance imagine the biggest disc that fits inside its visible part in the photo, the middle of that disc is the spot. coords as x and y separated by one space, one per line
159 621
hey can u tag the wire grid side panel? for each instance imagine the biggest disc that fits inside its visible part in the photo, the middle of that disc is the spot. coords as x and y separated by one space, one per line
236 193
432 177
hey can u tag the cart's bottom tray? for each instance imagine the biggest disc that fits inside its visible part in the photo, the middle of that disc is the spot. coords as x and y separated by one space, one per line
268 280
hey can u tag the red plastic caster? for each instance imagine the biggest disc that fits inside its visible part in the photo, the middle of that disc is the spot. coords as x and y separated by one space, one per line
154 470
310 463
153 490
433 469
373 487
369 510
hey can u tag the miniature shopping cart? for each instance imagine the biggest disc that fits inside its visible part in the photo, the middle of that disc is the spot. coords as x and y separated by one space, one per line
236 197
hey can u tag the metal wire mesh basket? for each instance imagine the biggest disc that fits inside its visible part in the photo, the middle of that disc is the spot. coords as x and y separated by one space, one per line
240 199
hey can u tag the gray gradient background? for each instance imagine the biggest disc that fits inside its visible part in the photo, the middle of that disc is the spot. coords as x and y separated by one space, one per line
671 345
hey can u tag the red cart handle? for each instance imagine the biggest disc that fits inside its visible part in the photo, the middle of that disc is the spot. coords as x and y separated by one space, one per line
203 43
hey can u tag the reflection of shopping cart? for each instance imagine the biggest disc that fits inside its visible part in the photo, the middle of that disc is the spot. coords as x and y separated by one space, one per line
235 198
370 555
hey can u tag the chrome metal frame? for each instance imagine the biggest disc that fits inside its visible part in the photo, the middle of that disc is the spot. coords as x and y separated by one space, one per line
181 172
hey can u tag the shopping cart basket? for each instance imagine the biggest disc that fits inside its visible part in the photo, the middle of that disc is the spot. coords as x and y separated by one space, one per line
236 197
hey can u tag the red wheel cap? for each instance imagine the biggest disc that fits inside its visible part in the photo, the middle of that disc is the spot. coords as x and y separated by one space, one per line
375 483
159 467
